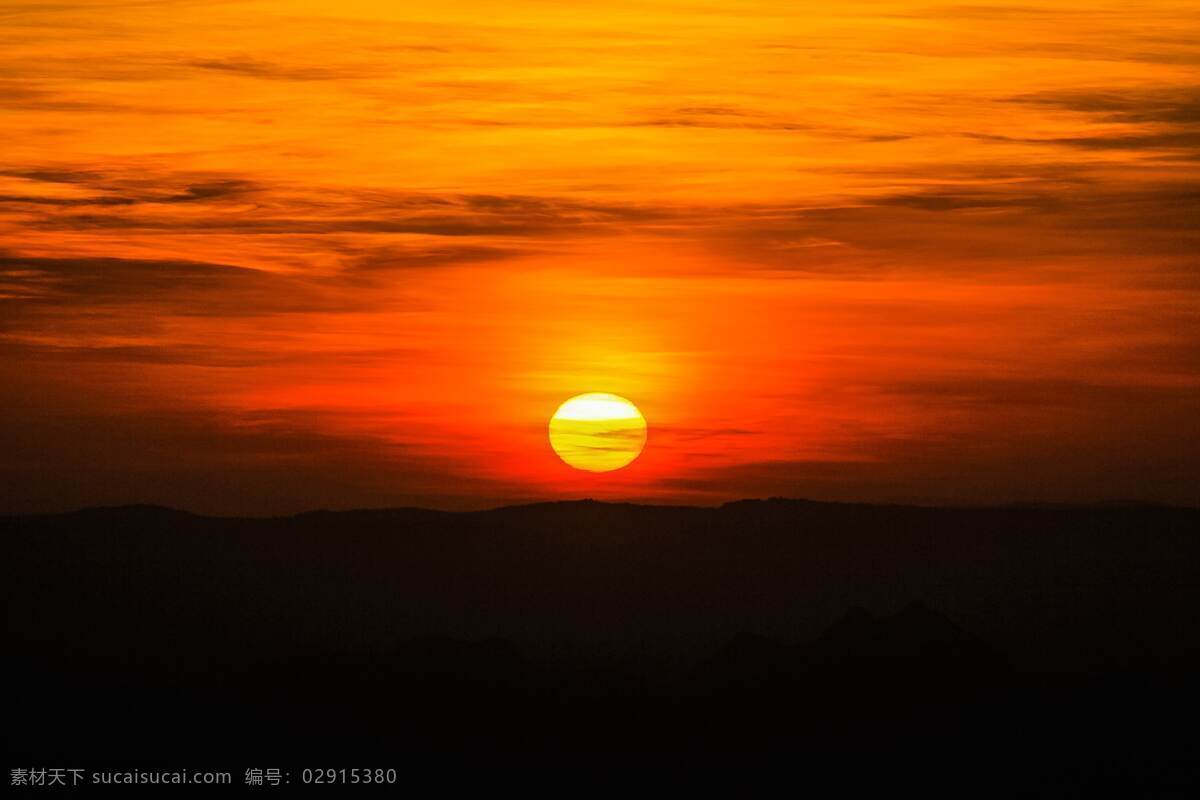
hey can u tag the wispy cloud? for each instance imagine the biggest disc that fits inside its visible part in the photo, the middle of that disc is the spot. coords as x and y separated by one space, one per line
73 285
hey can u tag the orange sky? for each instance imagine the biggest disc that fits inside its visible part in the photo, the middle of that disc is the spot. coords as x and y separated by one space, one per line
260 257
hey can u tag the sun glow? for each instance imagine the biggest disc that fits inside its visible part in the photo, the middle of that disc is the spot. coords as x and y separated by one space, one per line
597 432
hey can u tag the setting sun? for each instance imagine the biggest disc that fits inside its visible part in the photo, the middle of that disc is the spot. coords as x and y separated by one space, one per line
598 432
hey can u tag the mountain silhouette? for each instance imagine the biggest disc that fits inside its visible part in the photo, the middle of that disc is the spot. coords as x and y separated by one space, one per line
615 638
917 645
915 638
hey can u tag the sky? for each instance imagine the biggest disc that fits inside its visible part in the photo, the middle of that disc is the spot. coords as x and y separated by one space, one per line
264 257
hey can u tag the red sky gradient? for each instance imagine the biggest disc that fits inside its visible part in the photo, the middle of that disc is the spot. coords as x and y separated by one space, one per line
262 257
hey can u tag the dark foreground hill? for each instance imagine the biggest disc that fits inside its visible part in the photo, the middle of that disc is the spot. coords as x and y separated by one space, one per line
768 636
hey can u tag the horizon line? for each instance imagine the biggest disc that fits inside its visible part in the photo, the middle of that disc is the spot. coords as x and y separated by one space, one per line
1100 505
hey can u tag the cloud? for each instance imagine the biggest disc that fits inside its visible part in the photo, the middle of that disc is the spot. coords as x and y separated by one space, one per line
684 433
273 461
1183 140
1178 105
226 355
733 118
182 287
720 118
1025 441
53 175
1149 205
1055 392
291 210
1159 118
392 258
955 198
122 190
210 191
26 96
249 67
67 202
967 227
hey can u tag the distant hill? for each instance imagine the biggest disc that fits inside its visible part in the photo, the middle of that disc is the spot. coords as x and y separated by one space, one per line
607 578
755 627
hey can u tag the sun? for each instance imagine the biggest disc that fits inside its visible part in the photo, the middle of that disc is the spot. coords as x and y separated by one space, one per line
598 432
